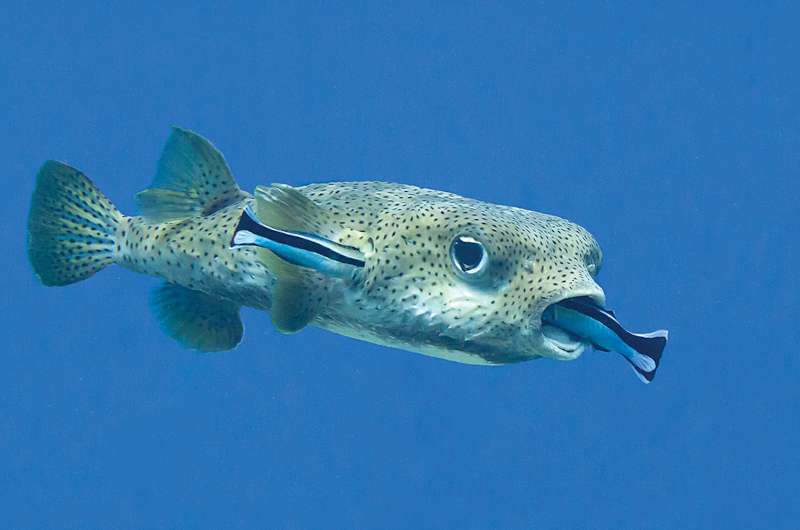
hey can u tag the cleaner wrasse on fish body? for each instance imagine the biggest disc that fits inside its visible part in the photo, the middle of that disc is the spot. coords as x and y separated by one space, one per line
397 265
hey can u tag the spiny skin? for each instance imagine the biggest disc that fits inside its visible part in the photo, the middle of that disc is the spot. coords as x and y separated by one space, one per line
410 295
195 253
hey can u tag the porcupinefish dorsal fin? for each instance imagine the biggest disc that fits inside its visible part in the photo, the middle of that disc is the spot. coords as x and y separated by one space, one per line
192 179
301 246
208 324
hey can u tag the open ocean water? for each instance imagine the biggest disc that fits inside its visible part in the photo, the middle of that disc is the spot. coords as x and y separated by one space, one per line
670 130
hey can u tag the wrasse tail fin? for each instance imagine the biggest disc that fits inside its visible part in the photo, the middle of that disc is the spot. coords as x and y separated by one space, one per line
72 227
649 347
198 321
193 179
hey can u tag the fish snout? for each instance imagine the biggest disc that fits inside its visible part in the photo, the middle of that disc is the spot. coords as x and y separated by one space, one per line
555 342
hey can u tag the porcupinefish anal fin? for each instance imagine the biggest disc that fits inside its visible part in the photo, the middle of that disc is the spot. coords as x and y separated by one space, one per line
192 179
298 243
208 324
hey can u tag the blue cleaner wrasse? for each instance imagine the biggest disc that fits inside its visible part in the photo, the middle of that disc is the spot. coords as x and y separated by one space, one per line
588 322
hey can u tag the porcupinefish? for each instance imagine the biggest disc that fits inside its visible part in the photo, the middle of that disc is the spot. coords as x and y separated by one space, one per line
397 265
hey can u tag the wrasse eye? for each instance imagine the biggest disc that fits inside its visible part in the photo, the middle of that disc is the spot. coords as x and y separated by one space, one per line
469 257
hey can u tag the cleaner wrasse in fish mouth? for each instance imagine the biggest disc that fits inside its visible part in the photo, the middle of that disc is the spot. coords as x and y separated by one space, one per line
397 265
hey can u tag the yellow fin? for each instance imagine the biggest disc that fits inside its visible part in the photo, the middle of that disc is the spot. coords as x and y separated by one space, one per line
198 321
286 208
299 293
192 179
72 227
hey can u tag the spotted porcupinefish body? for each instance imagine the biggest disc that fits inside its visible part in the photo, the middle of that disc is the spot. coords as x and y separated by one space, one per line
397 265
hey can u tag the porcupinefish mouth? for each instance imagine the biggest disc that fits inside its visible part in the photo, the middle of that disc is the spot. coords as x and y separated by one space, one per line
563 344
559 343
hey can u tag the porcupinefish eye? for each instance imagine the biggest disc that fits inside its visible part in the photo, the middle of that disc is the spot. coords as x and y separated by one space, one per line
469 257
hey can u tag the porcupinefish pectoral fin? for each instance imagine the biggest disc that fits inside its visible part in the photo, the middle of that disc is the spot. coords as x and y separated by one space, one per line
283 207
297 241
298 294
586 320
208 324
192 179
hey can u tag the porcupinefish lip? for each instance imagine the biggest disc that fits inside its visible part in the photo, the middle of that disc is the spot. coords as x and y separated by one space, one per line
560 344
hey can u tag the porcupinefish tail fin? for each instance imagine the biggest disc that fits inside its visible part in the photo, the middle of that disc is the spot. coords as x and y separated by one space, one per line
208 324
72 227
647 348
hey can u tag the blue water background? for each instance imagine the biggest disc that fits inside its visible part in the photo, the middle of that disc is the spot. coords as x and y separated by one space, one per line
667 129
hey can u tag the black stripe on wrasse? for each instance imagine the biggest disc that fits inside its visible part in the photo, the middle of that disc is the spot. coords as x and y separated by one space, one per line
296 240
